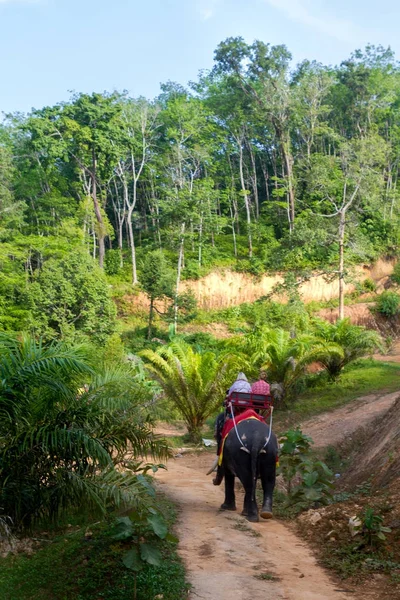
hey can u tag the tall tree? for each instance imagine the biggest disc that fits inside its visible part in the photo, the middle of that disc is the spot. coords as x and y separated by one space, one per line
139 121
156 282
340 183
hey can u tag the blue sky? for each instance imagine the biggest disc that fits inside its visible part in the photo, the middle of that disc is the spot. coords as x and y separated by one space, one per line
50 47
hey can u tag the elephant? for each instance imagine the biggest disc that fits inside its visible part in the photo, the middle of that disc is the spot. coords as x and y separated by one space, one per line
249 459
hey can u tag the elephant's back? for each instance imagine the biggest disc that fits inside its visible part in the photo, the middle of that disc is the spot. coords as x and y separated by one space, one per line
249 432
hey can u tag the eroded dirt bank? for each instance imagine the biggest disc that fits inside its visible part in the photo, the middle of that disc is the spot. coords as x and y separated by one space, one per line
224 288
227 557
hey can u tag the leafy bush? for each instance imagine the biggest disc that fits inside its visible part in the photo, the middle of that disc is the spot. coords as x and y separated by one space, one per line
112 262
89 567
194 382
369 285
388 304
71 295
396 273
308 480
370 526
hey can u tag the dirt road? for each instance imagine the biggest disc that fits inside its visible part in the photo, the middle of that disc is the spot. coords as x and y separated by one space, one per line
331 428
227 557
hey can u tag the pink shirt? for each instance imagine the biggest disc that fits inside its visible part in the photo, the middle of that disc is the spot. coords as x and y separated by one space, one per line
260 387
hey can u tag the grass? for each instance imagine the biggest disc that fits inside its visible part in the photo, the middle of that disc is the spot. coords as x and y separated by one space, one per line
267 576
361 378
242 525
72 566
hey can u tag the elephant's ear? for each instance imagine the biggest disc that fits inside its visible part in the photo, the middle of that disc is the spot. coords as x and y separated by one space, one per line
276 390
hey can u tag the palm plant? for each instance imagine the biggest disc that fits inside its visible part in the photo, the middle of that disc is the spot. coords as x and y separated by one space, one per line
354 340
284 357
194 382
59 441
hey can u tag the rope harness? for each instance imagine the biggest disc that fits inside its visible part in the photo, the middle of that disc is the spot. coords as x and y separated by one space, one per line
243 445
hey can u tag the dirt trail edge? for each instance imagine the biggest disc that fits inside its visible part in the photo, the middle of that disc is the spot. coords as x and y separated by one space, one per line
228 558
331 428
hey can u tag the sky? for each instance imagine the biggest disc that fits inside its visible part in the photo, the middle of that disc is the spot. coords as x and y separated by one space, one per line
51 48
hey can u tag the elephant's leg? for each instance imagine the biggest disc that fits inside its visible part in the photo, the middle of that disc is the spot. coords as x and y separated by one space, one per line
268 475
250 508
229 502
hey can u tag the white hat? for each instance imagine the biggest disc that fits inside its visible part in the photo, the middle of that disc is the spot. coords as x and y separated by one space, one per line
241 377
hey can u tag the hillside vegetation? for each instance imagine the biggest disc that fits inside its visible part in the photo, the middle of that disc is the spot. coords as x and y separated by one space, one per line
255 166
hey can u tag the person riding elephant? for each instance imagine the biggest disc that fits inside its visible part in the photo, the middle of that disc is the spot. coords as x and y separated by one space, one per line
261 386
241 384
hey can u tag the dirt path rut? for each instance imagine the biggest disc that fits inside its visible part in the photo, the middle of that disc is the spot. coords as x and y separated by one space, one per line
331 428
228 558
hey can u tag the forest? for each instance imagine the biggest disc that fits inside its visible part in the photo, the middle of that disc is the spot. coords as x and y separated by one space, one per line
259 166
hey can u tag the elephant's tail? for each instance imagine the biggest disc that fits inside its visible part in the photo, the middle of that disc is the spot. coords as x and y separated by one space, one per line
255 450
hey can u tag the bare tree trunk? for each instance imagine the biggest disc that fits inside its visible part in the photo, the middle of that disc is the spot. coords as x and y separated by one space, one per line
246 200
150 318
158 226
265 173
342 224
192 234
254 182
200 239
233 232
132 244
291 200
97 211
178 276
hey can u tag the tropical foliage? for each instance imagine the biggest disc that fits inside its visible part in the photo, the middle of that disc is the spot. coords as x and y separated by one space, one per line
388 304
354 341
284 357
256 166
307 479
195 382
63 429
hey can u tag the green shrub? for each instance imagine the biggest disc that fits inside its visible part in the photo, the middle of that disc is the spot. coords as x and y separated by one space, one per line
370 526
71 296
112 262
388 304
141 530
354 340
369 285
395 277
308 480
63 428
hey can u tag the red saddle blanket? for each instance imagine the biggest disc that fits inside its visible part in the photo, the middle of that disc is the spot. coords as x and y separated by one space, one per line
228 426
